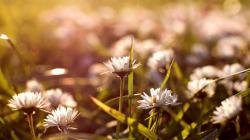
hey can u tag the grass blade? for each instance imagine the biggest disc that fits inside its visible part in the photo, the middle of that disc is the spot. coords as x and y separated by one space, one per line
164 82
130 84
124 119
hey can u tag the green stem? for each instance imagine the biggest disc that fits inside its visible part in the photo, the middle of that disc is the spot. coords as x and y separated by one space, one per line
120 105
150 119
31 126
158 119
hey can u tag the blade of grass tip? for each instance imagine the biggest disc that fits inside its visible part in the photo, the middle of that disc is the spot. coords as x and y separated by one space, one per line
164 82
130 84
113 101
12 45
179 73
124 119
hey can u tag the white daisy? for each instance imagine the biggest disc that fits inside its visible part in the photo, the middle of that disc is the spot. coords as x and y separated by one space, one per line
57 97
194 86
157 99
230 47
120 65
240 85
231 69
148 46
205 72
160 59
34 86
229 108
122 46
28 102
62 118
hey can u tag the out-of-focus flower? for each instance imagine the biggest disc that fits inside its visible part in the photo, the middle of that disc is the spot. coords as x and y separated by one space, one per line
120 65
208 71
233 83
70 26
240 85
229 108
160 59
28 102
175 18
122 46
4 37
57 97
199 53
231 69
148 46
62 118
139 20
215 24
157 99
230 47
34 86
95 77
203 85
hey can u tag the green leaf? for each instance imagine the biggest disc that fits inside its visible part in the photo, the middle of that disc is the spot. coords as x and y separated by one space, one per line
164 82
125 97
124 119
179 73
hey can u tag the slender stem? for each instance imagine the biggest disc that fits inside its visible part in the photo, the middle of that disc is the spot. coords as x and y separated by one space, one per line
150 119
130 94
158 121
31 126
120 105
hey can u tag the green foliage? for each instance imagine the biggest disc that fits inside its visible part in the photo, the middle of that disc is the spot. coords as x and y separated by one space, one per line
127 120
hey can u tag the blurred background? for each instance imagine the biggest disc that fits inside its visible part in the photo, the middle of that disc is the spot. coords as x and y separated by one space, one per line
63 43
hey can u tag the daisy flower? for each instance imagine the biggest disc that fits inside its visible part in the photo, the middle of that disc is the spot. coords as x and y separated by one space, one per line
240 85
205 72
57 97
28 102
120 65
229 108
34 86
62 118
231 69
160 59
194 86
157 99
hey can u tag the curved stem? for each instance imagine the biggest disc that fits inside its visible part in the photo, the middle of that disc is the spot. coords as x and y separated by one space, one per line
31 126
120 105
